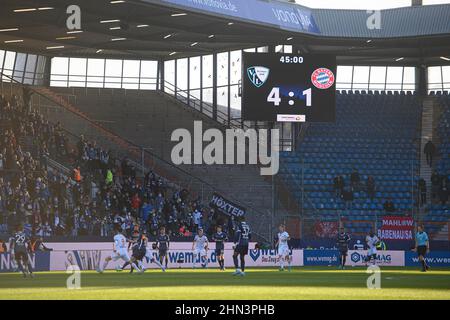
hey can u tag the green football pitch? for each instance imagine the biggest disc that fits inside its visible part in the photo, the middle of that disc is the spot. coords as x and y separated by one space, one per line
300 283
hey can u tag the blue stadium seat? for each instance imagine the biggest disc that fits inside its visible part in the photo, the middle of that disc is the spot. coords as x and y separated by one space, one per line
375 133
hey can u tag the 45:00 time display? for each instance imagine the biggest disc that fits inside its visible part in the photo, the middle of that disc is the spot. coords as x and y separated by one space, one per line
288 59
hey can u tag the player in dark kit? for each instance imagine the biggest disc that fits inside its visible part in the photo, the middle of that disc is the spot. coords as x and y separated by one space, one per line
135 235
241 243
163 242
139 249
132 240
220 237
19 249
343 241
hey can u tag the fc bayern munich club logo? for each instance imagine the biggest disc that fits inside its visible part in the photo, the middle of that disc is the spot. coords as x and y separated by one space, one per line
322 78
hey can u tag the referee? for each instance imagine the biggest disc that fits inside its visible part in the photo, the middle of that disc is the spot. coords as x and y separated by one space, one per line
422 247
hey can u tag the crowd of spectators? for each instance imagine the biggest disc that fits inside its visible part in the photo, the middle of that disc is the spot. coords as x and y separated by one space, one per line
440 192
346 192
102 192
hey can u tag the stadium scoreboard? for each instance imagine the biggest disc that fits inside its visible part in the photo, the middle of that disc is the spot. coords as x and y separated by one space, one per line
288 87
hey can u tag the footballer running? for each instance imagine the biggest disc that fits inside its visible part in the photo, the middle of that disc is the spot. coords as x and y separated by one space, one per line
372 242
200 249
20 245
120 251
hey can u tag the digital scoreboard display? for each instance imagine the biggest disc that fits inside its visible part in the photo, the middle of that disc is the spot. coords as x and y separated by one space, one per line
288 87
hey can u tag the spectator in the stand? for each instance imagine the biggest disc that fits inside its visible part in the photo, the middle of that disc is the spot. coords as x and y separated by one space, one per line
2 164
444 190
231 227
27 93
338 184
3 248
435 184
146 211
184 231
429 150
389 206
154 223
81 147
197 218
159 201
136 204
105 226
422 192
370 185
335 186
347 196
77 174
355 179
173 221
109 178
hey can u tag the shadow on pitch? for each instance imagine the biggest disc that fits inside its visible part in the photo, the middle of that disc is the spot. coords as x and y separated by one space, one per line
355 278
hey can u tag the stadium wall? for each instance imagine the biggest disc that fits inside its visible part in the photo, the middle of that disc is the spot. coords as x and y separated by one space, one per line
88 256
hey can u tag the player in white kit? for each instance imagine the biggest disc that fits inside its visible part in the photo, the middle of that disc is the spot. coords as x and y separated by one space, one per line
120 251
283 247
372 242
200 248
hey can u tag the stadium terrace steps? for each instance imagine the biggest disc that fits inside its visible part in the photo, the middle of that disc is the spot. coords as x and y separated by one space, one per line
429 105
148 119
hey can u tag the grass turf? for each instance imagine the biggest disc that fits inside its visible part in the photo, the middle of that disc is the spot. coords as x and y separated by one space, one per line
300 283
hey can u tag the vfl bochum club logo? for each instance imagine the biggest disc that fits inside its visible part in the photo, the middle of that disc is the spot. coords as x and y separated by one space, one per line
258 75
322 78
254 254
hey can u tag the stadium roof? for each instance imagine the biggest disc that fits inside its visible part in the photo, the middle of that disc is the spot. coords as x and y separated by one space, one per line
165 29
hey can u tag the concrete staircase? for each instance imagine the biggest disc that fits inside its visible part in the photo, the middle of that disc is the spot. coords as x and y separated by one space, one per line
428 116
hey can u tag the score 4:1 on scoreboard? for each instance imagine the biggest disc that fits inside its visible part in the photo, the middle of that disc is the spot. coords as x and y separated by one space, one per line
288 88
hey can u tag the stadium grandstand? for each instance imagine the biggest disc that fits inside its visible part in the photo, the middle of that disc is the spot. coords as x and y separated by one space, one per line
91 92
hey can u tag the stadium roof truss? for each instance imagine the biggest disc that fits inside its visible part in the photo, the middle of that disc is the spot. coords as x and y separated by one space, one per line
167 29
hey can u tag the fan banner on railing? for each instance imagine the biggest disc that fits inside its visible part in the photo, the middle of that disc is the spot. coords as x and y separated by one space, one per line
226 206
396 228
326 229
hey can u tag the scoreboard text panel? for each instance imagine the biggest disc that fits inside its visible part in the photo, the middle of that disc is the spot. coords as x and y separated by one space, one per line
288 87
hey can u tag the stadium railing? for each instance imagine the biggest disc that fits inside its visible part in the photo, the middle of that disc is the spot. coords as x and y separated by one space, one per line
203 107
